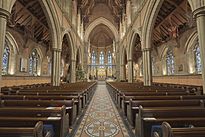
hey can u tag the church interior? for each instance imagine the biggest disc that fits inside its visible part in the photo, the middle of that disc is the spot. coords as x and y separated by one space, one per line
102 68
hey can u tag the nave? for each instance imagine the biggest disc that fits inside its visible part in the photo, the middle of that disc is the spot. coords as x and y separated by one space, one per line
102 118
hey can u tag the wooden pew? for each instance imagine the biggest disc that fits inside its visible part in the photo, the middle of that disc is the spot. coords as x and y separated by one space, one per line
177 116
168 131
36 131
123 100
133 107
55 116
69 104
77 99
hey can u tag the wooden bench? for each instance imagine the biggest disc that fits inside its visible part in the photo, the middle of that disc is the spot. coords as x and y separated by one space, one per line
36 131
77 99
55 116
69 104
133 107
177 116
168 131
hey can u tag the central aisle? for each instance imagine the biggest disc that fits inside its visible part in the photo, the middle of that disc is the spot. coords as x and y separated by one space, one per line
101 118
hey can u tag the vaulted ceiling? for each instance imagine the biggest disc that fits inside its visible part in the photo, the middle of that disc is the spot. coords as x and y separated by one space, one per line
28 18
101 36
174 18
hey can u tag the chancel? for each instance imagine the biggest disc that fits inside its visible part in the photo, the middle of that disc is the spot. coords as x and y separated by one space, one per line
102 68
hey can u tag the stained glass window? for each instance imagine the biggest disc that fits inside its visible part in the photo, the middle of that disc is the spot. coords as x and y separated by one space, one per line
170 62
33 63
93 58
109 59
101 59
5 61
198 65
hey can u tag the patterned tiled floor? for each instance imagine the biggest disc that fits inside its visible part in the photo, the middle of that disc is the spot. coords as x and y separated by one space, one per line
101 118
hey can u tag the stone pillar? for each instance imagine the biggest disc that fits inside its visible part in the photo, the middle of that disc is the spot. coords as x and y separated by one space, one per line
200 19
4 14
56 65
130 71
73 71
147 67
122 72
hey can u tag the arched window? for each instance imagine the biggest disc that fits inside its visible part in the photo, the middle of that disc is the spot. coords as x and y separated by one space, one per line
109 59
170 62
101 58
197 59
5 61
33 62
93 58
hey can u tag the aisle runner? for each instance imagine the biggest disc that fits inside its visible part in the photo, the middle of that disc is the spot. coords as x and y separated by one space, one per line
102 118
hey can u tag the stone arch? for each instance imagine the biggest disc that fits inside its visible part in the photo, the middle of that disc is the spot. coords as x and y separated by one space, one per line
189 51
51 16
164 52
98 21
190 42
150 18
14 50
69 37
132 44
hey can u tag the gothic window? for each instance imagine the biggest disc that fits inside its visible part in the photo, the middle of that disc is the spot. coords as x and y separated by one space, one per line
198 65
170 62
93 58
5 61
101 60
109 59
33 62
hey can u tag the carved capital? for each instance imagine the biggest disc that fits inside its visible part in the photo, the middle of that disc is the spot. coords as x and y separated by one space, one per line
4 13
199 12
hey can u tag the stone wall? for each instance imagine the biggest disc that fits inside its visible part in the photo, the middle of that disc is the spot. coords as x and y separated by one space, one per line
186 79
23 80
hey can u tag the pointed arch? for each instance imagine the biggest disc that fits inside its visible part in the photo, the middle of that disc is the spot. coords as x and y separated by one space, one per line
14 50
132 42
150 18
51 16
69 37
98 21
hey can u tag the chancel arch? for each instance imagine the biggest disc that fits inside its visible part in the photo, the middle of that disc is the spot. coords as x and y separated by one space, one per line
102 44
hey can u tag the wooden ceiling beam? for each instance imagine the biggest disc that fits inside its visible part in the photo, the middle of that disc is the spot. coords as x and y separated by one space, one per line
35 18
166 17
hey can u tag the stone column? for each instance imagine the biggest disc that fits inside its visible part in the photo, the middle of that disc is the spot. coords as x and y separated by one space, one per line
56 65
130 71
73 71
200 19
122 72
147 67
4 14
